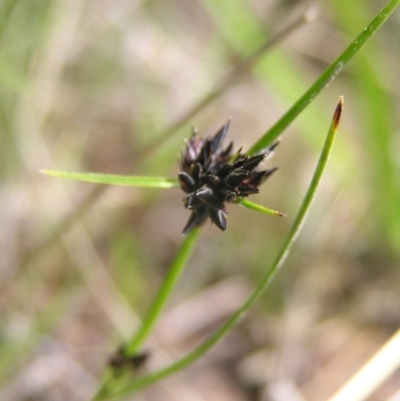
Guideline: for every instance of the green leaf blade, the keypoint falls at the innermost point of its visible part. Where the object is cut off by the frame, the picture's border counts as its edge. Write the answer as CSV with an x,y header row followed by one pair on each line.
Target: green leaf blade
x,y
265,281
111,179
258,208
325,78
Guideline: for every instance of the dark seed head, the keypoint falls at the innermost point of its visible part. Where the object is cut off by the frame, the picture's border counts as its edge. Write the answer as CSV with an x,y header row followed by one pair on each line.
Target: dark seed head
x,y
211,175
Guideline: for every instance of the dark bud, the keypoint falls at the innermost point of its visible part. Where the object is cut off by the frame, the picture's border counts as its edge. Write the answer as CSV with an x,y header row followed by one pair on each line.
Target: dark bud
x,y
238,159
191,149
138,360
191,223
226,154
205,194
195,171
186,182
258,178
119,360
217,216
252,162
247,189
269,172
236,177
197,218
206,154
217,139
192,202
269,152
212,180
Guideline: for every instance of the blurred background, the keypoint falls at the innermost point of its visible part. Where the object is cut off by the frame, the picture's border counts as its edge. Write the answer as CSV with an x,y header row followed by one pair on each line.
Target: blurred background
x,y
115,87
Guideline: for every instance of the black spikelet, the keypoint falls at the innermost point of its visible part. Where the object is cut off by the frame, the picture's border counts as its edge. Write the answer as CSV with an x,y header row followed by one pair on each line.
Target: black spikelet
x,y
211,175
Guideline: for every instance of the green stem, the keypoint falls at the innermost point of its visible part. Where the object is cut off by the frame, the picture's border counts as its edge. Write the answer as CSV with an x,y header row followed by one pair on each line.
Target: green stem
x,y
325,79
260,289
258,208
113,179
155,310
164,292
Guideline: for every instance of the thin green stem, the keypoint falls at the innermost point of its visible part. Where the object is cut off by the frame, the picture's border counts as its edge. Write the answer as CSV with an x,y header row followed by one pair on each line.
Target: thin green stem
x,y
258,208
150,319
325,79
112,179
260,289
164,292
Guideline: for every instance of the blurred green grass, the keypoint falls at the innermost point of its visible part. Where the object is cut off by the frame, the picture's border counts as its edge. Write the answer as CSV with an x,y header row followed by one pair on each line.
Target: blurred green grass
x,y
86,85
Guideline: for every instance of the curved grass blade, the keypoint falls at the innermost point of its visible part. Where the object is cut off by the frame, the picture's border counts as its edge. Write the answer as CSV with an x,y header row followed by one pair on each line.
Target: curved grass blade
x,y
260,289
325,78
110,179
258,208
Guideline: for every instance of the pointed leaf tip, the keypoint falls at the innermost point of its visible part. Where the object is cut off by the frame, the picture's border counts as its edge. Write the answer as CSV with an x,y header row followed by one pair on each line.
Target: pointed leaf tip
x,y
338,112
259,208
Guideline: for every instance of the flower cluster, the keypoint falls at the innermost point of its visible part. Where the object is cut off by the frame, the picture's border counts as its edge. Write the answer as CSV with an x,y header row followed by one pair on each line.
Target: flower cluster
x,y
211,175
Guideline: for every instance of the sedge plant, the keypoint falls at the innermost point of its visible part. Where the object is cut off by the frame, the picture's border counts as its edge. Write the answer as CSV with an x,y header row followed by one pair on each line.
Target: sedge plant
x,y
219,176
209,176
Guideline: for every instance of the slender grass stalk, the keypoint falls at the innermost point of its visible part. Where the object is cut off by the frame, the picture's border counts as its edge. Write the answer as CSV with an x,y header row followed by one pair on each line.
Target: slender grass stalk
x,y
156,308
260,289
110,179
325,78
164,292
